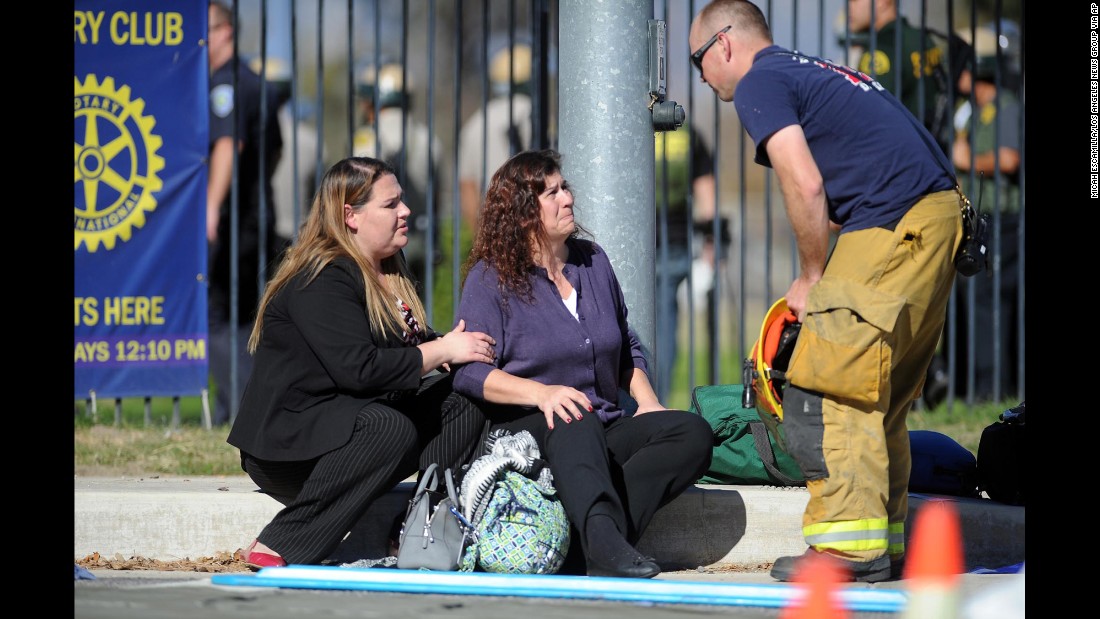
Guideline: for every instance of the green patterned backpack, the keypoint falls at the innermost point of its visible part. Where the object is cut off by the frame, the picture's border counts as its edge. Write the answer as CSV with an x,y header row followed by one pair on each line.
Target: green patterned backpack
x,y
518,523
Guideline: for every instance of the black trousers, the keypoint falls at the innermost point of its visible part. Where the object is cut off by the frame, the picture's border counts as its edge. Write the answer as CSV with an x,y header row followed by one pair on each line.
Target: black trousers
x,y
325,497
626,469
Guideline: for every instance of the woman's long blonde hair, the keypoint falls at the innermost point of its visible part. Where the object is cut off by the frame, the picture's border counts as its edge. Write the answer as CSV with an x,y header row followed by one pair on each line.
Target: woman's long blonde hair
x,y
324,237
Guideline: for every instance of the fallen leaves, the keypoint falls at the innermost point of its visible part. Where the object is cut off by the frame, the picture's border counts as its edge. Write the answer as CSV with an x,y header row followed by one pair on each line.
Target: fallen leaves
x,y
723,568
221,562
234,562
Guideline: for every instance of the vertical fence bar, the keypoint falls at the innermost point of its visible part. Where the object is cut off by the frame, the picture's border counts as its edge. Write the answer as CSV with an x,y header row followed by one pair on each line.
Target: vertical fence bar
x,y
511,72
206,422
261,270
176,413
952,332
429,252
540,72
694,136
1021,322
234,229
296,180
456,199
486,32
971,338
998,220
319,72
350,77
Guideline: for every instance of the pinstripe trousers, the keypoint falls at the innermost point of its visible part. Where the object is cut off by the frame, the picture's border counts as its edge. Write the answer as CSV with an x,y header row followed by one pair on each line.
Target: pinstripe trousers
x,y
324,497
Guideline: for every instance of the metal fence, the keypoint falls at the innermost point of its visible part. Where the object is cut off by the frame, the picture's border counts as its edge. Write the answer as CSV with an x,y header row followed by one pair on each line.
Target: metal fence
x,y
409,80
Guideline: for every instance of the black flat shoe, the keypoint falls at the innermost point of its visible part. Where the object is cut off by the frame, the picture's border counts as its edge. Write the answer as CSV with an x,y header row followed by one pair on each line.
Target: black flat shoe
x,y
636,567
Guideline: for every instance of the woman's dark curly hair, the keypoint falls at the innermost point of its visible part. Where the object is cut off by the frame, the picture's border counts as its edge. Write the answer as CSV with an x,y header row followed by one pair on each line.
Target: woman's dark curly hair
x,y
509,231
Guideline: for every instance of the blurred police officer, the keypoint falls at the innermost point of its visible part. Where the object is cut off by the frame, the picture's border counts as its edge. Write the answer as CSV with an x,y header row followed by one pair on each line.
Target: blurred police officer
x,y
388,131
235,109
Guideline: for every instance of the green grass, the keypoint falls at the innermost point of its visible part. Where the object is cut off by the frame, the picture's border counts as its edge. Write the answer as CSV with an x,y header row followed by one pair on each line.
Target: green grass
x,y
962,422
132,448
128,445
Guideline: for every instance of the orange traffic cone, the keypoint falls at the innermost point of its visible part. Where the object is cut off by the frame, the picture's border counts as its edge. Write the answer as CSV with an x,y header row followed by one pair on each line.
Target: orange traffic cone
x,y
934,562
819,576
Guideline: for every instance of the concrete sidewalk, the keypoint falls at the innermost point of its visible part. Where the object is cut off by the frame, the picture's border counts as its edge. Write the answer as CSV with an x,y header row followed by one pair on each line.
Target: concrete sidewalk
x,y
173,518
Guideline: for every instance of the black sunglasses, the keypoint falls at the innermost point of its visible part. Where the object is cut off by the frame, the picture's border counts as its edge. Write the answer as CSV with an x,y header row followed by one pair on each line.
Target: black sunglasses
x,y
697,57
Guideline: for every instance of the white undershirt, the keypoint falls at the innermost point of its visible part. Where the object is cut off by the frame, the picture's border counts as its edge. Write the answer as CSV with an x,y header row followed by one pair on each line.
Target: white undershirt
x,y
571,304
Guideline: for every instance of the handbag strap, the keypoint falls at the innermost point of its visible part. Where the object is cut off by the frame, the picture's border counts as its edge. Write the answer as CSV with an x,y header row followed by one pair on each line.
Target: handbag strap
x,y
449,478
429,481
767,456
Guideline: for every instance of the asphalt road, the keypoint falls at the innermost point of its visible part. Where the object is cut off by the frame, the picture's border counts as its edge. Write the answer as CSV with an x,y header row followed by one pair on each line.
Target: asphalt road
x,y
117,594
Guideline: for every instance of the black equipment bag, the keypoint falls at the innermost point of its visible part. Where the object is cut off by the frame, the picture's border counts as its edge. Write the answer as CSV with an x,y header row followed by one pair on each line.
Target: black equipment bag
x,y
1001,458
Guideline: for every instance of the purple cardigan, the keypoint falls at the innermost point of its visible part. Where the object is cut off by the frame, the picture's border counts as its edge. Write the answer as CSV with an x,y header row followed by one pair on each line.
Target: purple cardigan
x,y
543,342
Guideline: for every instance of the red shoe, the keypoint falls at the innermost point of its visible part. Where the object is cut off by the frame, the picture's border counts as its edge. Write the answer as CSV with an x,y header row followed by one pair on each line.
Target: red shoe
x,y
258,560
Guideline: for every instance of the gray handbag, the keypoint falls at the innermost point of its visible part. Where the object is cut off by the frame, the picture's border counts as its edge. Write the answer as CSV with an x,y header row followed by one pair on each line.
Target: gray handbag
x,y
432,536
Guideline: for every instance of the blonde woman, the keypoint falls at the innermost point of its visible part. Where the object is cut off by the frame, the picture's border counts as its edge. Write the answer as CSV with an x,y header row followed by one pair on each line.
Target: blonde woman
x,y
350,390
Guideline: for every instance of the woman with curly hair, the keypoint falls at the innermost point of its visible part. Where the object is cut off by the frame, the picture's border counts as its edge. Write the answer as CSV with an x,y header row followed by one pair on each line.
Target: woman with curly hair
x,y
564,349
350,391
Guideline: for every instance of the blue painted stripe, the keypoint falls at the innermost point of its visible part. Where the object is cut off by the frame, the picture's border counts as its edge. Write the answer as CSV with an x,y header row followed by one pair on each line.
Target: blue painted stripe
x,y
777,595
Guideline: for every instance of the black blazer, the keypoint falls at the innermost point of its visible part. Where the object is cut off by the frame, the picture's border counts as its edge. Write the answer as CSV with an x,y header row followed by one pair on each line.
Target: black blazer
x,y
318,363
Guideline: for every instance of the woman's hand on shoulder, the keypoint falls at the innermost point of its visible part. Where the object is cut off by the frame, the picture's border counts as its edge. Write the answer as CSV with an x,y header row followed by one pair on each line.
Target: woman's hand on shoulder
x,y
457,347
464,346
565,403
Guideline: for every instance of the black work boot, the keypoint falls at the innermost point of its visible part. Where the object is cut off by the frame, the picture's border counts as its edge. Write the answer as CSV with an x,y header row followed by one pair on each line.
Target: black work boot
x,y
875,570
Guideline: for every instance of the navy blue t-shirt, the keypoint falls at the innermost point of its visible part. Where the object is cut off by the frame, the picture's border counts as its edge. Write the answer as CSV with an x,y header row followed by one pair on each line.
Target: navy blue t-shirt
x,y
874,163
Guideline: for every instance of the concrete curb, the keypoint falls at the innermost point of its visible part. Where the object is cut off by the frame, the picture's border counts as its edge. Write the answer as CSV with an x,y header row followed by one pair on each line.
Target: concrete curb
x,y
173,518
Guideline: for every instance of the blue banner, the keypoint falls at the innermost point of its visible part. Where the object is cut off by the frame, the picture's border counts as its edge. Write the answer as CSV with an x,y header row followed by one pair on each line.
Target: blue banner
x,y
141,121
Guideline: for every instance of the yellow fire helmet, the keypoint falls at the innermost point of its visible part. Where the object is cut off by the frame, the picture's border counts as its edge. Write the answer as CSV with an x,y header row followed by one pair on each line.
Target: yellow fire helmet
x,y
763,374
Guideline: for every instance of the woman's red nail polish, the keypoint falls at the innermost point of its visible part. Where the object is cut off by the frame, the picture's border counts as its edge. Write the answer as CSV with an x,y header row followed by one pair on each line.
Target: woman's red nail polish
x,y
568,420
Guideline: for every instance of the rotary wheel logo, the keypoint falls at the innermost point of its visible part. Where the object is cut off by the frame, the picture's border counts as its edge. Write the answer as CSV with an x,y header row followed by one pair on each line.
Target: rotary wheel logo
x,y
115,163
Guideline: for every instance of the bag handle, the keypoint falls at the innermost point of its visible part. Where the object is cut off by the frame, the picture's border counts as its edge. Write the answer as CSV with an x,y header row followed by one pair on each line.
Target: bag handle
x,y
456,503
428,481
767,456
449,478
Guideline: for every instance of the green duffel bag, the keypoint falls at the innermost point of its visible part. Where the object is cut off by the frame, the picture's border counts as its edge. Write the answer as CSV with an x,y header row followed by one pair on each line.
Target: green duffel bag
x,y
745,452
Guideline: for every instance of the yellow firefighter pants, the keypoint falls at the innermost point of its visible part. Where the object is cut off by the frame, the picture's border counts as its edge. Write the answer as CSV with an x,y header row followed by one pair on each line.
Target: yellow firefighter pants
x,y
872,325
